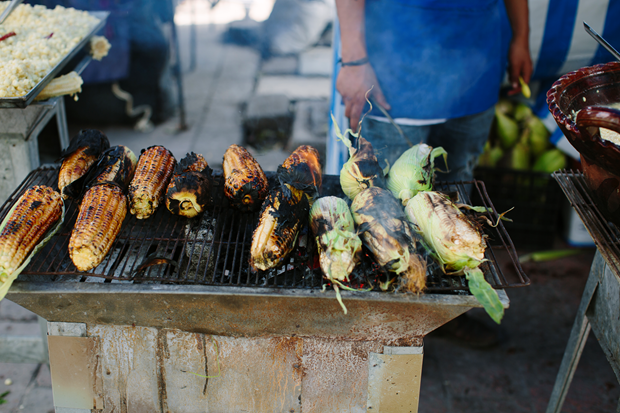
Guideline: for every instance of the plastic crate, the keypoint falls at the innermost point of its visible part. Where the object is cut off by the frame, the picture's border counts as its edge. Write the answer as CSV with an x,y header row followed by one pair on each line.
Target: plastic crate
x,y
536,198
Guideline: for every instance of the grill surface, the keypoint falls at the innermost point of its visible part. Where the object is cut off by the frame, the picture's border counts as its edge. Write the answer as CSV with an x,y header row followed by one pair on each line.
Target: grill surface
x,y
214,249
605,234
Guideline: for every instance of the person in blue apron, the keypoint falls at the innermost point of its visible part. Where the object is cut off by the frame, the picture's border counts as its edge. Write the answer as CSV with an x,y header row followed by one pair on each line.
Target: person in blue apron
x,y
436,67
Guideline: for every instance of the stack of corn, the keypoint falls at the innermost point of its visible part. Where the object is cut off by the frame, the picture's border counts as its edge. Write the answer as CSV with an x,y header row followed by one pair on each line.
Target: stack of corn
x,y
520,140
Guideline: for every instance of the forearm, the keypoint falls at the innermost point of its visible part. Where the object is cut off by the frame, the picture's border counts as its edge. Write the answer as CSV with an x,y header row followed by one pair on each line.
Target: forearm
x,y
518,15
352,29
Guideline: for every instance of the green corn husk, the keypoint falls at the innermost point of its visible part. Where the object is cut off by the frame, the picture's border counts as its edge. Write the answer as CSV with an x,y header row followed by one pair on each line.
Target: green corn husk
x,y
520,156
507,130
362,170
522,112
339,246
505,106
550,161
538,135
414,171
455,243
386,232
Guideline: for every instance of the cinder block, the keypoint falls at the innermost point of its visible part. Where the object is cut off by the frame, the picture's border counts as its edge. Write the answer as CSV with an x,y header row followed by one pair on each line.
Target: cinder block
x,y
317,61
280,65
310,126
267,121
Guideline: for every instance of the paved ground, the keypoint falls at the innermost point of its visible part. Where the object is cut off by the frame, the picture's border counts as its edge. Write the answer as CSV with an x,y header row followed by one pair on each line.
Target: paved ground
x,y
516,376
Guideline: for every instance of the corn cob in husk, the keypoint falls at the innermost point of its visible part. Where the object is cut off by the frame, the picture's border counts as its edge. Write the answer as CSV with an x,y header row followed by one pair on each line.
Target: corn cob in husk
x,y
455,243
386,233
338,244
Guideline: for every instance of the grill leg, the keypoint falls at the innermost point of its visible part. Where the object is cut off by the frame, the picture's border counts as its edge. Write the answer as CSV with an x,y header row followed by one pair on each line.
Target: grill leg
x,y
576,342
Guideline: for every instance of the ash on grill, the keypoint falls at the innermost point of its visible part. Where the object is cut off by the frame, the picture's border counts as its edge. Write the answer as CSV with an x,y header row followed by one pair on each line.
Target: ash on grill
x,y
214,249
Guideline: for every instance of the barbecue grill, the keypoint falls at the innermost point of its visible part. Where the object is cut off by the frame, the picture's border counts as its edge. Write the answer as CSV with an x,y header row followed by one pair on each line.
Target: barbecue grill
x,y
176,296
599,309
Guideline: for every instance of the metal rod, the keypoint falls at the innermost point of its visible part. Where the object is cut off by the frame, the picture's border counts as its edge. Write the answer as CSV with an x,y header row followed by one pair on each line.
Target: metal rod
x,y
601,41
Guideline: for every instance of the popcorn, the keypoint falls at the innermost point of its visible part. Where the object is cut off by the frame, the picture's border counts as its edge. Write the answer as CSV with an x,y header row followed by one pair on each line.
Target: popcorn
x,y
42,38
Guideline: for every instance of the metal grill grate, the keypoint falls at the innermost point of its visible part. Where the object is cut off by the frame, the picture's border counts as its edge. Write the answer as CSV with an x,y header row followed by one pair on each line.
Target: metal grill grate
x,y
214,249
605,234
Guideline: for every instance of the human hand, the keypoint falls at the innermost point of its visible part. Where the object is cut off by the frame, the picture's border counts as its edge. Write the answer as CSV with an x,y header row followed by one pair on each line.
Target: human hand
x,y
519,65
352,83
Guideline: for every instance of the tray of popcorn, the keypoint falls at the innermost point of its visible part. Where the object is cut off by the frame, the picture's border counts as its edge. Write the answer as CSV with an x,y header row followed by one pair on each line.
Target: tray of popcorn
x,y
36,43
586,106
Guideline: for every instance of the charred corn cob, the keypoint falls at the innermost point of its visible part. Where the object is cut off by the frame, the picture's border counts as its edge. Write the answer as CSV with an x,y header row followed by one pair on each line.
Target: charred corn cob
x,y
189,190
116,165
82,152
36,211
455,243
386,233
282,216
302,170
99,221
245,182
147,188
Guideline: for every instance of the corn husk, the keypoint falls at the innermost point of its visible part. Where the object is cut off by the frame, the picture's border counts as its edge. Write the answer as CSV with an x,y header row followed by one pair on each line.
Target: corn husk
x,y
550,161
362,170
520,156
537,135
338,244
455,243
507,130
414,171
385,231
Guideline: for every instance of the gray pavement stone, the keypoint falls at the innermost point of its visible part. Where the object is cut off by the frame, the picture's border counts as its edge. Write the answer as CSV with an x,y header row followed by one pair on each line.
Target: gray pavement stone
x,y
240,62
21,376
317,61
19,328
38,400
310,126
44,378
280,65
15,312
271,159
233,90
295,87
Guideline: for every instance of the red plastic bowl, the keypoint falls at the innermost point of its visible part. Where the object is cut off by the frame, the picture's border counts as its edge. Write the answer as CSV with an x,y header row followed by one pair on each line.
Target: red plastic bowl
x,y
586,92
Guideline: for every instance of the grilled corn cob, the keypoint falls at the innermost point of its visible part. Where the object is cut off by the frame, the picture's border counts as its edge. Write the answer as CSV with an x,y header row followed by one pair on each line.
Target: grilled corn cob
x,y
153,173
245,182
36,211
116,165
82,152
302,170
189,190
455,243
282,216
99,221
386,233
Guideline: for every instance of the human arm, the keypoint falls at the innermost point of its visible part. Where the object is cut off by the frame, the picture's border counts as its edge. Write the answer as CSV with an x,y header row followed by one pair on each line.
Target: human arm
x,y
519,60
354,81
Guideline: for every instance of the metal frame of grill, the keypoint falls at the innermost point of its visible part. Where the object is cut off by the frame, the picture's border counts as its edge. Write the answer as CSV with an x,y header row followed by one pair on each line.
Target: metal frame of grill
x,y
605,234
214,249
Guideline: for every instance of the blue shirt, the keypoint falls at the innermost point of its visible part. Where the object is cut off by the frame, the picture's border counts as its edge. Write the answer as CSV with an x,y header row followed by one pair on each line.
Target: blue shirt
x,y
436,59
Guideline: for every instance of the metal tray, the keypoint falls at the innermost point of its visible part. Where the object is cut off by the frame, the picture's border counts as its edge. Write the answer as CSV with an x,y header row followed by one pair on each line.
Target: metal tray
x,y
23,101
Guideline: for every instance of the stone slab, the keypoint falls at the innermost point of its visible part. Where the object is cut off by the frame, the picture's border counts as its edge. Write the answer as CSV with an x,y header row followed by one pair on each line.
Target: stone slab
x,y
280,65
317,61
295,87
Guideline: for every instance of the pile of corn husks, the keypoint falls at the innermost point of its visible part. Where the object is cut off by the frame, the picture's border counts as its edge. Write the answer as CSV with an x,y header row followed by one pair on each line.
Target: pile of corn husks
x,y
520,141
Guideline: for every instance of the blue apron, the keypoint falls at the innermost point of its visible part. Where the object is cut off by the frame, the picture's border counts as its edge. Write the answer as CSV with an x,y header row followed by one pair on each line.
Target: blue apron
x,y
436,59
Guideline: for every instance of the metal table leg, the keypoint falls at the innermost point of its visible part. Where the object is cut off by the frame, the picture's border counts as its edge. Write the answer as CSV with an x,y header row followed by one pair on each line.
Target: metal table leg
x,y
576,342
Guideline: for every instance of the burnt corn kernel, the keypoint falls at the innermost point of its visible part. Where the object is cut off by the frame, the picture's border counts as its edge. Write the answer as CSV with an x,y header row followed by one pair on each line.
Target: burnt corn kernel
x,y
83,151
302,169
36,211
155,168
245,183
99,221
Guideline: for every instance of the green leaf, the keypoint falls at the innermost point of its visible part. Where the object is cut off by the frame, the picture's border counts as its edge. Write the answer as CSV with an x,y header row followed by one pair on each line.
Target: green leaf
x,y
3,395
485,294
4,287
